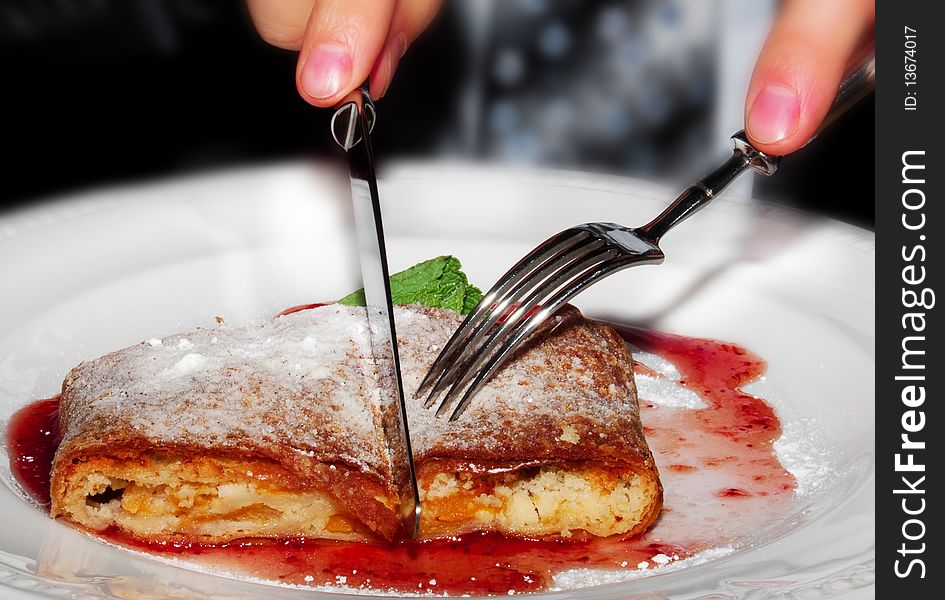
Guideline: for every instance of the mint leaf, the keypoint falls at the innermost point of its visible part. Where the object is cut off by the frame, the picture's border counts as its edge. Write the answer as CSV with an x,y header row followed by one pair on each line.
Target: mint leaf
x,y
437,283
473,296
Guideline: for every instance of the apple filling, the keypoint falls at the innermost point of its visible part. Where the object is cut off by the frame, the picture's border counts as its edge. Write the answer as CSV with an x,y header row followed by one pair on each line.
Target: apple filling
x,y
536,502
198,499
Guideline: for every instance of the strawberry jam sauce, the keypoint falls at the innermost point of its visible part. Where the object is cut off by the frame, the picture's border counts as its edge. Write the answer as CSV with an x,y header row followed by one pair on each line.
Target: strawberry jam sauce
x,y
32,439
721,477
299,308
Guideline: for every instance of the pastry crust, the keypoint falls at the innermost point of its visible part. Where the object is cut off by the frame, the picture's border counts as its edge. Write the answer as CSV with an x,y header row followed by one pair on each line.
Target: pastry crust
x,y
276,430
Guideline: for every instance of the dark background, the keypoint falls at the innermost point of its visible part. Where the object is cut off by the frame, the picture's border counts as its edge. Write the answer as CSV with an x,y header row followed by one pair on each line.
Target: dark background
x,y
102,91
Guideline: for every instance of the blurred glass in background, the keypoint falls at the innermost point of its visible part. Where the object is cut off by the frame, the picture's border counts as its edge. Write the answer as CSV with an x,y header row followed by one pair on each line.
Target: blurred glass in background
x,y
100,91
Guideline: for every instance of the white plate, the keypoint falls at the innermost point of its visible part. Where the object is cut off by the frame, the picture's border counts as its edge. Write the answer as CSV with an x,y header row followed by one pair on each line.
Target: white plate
x,y
90,274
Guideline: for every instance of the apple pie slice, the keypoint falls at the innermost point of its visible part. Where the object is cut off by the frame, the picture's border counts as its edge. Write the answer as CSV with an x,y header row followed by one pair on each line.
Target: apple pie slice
x,y
276,431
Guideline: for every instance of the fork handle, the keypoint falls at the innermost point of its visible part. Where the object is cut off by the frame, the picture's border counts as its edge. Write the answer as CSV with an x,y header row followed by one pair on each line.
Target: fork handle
x,y
705,190
744,156
855,85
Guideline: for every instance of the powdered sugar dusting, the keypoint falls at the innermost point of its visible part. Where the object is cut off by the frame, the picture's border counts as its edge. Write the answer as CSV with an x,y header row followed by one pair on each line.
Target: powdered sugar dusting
x,y
307,382
556,400
300,382
581,578
802,452
663,389
190,363
656,362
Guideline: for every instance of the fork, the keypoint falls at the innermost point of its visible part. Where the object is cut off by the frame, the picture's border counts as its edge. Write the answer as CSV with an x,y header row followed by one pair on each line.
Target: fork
x,y
571,261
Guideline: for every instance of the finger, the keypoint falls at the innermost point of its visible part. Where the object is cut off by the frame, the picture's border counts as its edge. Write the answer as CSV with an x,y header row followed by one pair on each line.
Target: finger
x,y
411,18
342,42
797,75
281,22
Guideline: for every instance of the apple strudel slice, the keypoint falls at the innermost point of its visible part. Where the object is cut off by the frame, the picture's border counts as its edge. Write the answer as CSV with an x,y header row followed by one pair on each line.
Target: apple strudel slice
x,y
276,431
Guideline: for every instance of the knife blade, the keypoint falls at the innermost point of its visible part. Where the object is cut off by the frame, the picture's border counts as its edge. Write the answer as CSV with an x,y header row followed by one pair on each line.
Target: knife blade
x,y
351,127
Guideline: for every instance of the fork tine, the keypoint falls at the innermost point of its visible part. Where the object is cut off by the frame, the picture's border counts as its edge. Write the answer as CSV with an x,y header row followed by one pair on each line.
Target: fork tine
x,y
527,327
496,338
537,257
500,314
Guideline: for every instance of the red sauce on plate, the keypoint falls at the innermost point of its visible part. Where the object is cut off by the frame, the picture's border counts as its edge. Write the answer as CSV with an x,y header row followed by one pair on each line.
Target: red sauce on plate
x,y
479,564
721,477
299,308
32,439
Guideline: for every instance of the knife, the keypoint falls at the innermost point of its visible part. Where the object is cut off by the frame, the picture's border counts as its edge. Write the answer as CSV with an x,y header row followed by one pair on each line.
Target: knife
x,y
351,127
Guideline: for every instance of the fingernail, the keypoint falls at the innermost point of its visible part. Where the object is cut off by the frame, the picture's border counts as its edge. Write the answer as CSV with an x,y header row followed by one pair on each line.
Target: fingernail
x,y
400,46
774,114
326,70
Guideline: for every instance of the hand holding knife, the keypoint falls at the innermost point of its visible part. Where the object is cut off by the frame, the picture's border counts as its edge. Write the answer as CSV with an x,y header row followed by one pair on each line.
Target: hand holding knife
x,y
351,127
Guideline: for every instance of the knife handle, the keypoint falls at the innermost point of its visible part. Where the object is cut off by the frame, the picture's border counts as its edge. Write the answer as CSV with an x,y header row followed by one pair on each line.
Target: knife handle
x,y
345,124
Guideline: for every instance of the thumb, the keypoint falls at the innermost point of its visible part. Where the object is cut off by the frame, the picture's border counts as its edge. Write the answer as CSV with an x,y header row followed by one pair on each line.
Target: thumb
x,y
798,72
342,42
